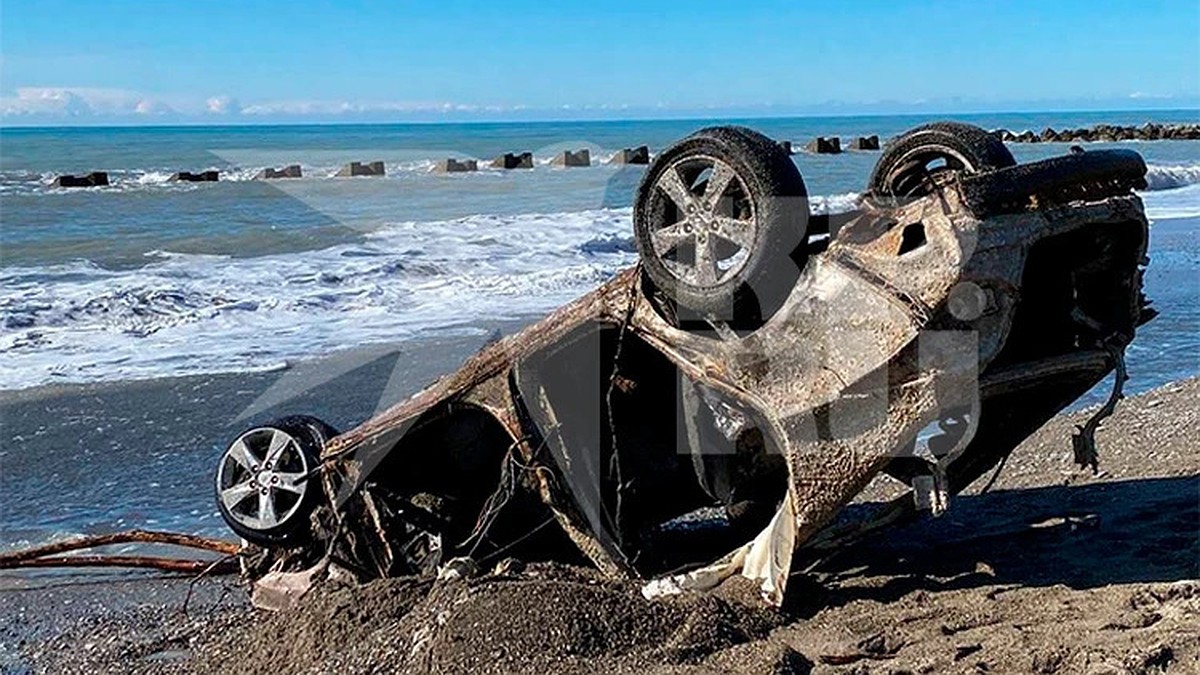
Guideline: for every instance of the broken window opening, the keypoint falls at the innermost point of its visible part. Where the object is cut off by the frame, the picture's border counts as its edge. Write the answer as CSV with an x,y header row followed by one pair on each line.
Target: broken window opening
x,y
674,479
912,238
453,486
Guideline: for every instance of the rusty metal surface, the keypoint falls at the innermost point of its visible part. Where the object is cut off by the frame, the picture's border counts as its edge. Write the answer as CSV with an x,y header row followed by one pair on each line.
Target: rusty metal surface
x,y
842,347
493,362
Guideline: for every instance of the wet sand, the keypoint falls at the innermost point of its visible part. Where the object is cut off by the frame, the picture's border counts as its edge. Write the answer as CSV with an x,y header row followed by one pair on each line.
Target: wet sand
x,y
1053,571
88,459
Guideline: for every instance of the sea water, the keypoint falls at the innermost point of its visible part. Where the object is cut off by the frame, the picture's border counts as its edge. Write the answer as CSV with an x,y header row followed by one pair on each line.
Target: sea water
x,y
151,278
146,278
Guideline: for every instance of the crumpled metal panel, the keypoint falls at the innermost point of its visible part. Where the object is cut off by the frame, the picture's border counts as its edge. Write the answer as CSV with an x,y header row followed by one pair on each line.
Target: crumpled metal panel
x,y
838,377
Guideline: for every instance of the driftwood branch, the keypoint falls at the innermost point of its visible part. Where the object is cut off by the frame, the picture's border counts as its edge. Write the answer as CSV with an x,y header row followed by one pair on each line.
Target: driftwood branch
x,y
150,562
49,554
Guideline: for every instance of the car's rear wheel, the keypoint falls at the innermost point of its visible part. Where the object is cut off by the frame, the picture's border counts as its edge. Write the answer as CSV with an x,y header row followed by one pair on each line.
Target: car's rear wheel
x,y
266,486
717,220
910,162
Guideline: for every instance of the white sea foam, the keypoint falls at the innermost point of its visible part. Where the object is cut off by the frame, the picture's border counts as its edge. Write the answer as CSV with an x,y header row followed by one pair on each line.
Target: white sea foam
x,y
1172,191
826,204
187,313
159,178
1181,202
152,178
1160,177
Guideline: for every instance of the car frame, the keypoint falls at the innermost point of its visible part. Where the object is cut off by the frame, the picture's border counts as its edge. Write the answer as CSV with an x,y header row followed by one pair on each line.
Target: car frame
x,y
679,439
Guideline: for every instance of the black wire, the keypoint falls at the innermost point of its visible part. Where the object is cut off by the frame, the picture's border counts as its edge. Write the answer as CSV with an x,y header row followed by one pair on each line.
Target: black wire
x,y
995,475
518,540
615,459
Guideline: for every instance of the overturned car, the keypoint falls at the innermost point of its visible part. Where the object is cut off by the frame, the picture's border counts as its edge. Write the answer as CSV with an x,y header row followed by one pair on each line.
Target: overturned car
x,y
710,411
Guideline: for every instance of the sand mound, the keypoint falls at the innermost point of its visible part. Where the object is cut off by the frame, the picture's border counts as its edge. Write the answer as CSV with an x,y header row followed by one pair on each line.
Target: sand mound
x,y
551,618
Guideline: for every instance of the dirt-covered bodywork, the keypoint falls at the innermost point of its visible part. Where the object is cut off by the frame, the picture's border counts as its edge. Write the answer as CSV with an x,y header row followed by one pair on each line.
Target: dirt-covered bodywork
x,y
922,336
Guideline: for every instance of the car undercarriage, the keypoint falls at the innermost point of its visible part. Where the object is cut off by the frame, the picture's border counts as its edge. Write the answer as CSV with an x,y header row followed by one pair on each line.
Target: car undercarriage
x,y
710,411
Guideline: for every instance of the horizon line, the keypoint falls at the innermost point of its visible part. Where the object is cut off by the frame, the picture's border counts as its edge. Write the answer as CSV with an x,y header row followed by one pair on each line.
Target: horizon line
x,y
5,125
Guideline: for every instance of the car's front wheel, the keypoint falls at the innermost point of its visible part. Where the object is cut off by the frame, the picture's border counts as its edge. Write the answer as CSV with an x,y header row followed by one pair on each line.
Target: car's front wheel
x,y
717,220
266,482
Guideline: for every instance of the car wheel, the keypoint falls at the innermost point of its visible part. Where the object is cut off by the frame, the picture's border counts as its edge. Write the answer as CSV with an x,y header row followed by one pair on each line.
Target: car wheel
x,y
264,490
910,161
718,222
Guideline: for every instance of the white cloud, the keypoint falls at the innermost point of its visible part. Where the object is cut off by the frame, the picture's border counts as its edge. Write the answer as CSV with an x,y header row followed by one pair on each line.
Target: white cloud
x,y
38,100
320,108
223,105
148,106
37,105
78,102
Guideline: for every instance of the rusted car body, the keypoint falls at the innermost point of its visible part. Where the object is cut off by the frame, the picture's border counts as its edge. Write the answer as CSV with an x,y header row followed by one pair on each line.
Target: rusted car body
x,y
922,339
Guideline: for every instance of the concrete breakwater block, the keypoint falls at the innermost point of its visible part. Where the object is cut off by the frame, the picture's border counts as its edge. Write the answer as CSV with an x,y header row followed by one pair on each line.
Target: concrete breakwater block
x,y
451,165
93,179
1104,133
513,161
189,177
787,147
638,155
289,171
568,158
361,169
865,143
824,146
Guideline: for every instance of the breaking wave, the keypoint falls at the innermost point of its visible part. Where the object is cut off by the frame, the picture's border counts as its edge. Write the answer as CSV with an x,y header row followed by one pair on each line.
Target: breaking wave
x,y
158,178
188,313
183,313
826,204
179,313
1159,177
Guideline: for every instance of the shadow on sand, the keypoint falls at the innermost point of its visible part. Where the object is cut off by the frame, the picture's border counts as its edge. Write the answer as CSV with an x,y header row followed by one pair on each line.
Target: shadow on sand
x,y
1085,536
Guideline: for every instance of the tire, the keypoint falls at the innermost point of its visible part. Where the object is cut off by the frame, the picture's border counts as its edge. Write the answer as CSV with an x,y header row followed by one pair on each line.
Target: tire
x,y
1088,176
907,162
764,207
285,480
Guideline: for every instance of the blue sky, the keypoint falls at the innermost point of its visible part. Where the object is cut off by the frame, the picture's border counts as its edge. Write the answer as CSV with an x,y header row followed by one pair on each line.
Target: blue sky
x,y
217,61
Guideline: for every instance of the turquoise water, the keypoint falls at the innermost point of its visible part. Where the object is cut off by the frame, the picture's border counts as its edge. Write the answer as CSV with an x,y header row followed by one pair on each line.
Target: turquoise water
x,y
142,213
147,278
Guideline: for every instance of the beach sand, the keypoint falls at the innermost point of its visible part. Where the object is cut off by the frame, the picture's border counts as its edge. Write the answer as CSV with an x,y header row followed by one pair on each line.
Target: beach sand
x,y
1053,571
